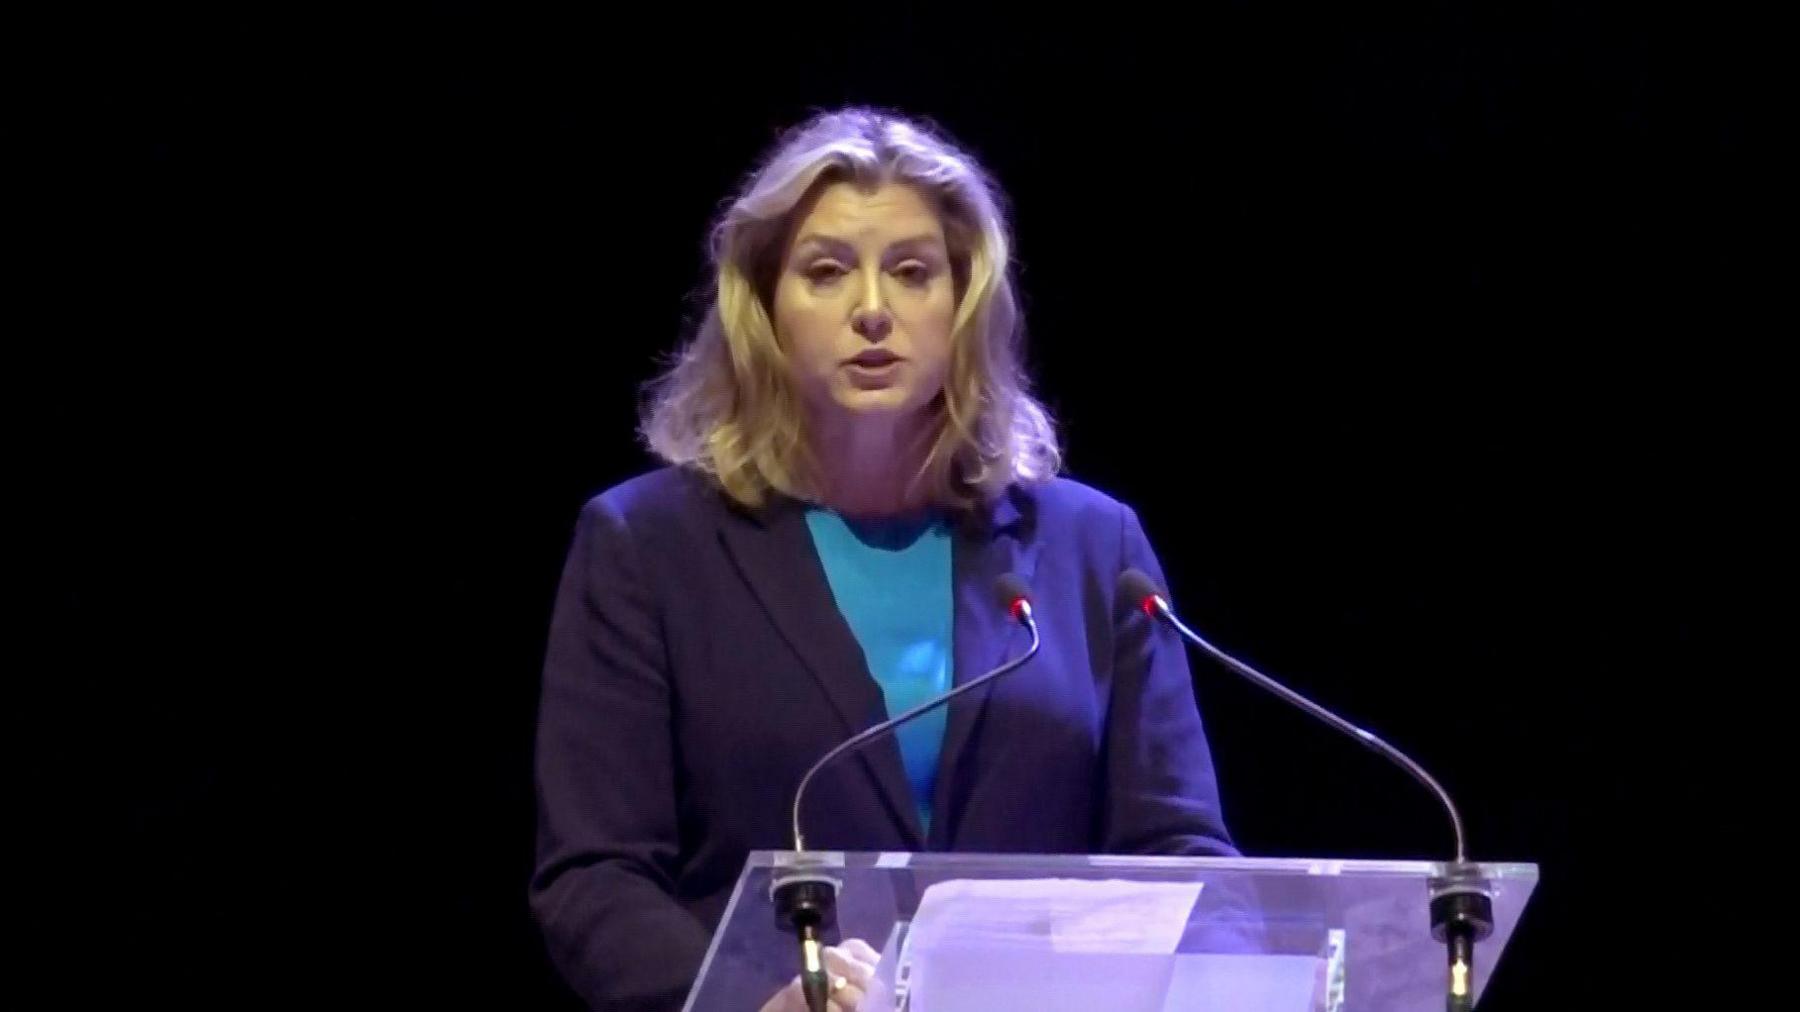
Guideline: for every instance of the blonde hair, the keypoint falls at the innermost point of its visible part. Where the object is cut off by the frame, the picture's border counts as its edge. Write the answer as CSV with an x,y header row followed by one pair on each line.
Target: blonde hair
x,y
728,407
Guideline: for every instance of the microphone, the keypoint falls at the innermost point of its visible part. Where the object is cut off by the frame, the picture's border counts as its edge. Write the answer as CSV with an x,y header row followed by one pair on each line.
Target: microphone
x,y
1462,911
1016,599
805,896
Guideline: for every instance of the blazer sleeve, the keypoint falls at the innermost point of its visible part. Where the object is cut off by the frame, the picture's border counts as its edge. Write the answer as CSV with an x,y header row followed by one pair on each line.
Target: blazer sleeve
x,y
1162,796
607,840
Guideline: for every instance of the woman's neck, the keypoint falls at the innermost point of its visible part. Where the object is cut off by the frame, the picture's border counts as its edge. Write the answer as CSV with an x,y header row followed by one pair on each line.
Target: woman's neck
x,y
868,470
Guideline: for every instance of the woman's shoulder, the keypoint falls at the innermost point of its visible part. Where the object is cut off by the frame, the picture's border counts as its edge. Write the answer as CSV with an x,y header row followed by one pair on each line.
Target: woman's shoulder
x,y
660,497
1067,515
1072,519
1067,501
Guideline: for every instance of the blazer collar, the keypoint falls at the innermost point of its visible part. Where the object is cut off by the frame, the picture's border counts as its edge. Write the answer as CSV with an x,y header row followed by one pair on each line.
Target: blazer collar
x,y
994,543
773,550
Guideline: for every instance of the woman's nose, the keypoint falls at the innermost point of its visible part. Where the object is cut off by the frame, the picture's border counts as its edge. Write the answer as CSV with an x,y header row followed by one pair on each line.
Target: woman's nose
x,y
872,324
871,319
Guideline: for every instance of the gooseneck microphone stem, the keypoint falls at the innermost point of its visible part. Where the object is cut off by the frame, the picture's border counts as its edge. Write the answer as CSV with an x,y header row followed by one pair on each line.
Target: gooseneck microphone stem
x,y
1461,908
1021,609
805,891
1374,743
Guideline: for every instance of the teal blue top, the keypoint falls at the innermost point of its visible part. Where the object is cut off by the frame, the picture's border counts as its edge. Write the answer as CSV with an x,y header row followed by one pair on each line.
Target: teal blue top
x,y
892,582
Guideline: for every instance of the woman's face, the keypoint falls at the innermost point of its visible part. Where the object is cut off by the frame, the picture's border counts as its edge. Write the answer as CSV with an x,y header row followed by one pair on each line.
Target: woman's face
x,y
864,305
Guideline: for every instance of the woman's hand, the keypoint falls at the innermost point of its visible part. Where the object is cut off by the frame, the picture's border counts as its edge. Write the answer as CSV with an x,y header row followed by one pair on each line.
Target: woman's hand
x,y
850,966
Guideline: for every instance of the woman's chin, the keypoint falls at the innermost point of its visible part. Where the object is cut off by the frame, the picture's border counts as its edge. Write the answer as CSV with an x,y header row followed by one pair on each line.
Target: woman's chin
x,y
881,402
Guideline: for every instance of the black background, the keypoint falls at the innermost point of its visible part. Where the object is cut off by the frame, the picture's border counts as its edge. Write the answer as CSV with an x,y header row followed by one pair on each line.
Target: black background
x,y
1412,337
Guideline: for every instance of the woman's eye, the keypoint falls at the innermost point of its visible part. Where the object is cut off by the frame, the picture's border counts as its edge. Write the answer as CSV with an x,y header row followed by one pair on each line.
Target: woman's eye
x,y
824,271
913,272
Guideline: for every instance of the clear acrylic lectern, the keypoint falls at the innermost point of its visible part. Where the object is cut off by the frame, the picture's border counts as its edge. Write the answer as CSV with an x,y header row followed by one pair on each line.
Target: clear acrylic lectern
x,y
965,932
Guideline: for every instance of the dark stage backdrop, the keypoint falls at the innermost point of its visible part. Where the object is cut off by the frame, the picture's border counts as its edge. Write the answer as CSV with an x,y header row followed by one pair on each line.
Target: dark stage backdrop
x,y
1406,334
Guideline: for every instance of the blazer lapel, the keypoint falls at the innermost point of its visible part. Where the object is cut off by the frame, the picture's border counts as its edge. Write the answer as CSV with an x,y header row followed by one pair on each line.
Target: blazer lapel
x,y
774,553
985,636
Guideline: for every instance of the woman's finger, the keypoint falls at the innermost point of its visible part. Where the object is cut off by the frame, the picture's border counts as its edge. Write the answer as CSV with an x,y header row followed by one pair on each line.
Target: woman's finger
x,y
857,971
856,948
846,998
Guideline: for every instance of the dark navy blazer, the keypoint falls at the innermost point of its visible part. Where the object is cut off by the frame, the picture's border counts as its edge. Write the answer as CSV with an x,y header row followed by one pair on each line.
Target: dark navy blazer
x,y
697,665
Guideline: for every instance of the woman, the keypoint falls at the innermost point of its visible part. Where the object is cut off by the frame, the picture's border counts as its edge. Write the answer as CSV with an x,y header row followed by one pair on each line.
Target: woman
x,y
853,460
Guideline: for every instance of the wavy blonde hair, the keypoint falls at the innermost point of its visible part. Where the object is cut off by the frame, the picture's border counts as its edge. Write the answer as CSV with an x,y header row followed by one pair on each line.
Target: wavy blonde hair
x,y
728,405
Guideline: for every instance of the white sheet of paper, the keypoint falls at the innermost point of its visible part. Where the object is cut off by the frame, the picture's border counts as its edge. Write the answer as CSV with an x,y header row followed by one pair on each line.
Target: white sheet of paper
x,y
1072,945
1055,915
978,945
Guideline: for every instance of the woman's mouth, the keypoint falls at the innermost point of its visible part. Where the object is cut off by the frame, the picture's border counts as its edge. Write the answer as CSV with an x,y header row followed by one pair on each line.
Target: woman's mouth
x,y
875,359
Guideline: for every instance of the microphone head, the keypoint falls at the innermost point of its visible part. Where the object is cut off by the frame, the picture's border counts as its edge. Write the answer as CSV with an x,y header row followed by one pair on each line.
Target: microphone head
x,y
1137,586
1015,597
